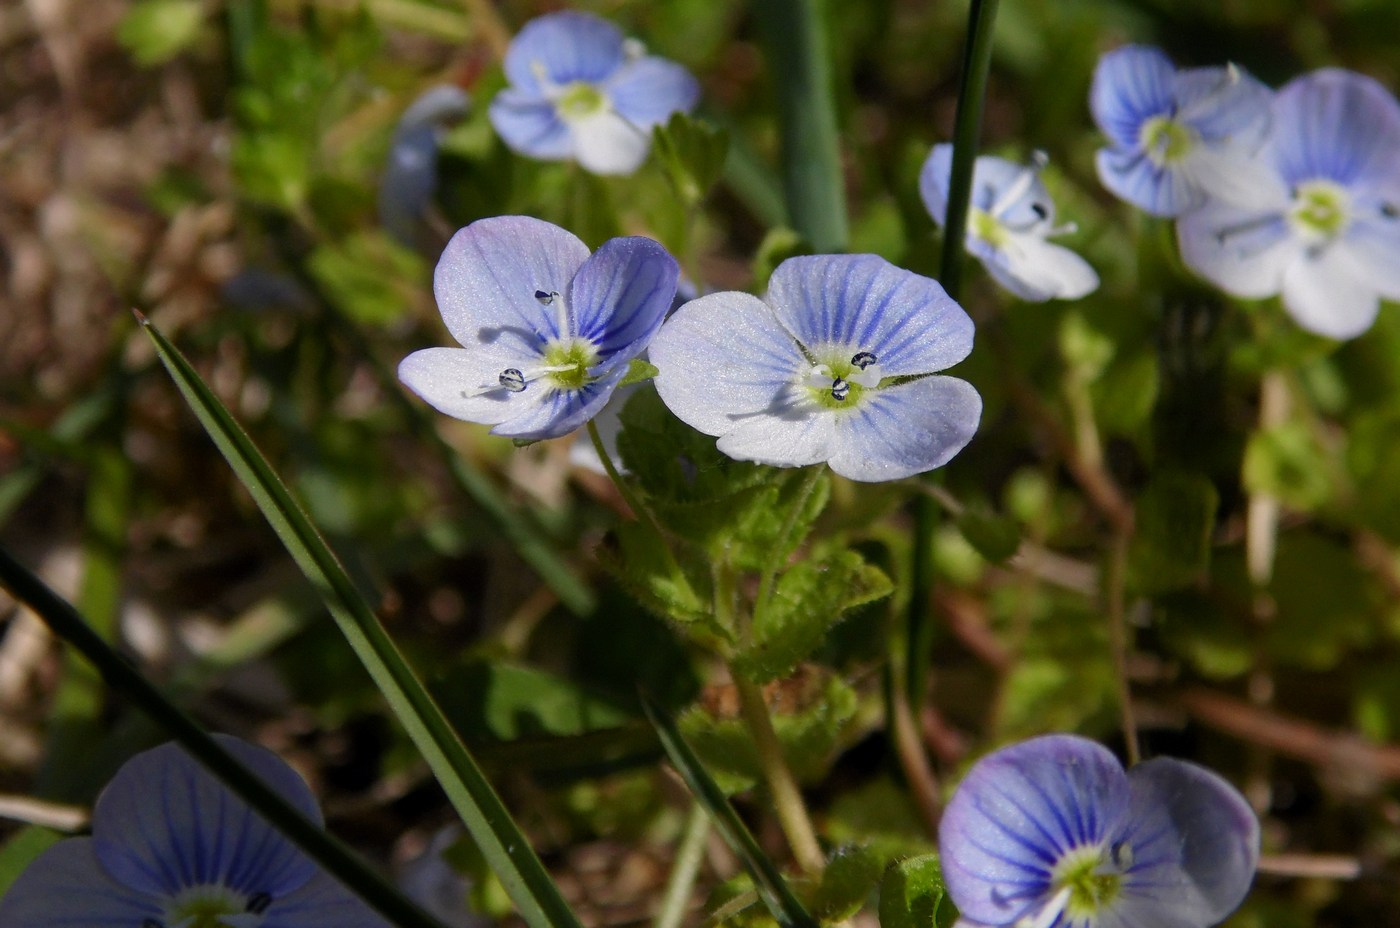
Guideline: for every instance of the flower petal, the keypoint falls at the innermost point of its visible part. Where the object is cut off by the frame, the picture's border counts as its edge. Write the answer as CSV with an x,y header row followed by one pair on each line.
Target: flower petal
x,y
1375,246
1223,103
865,303
66,887
1244,252
531,126
1330,294
1131,85
791,432
621,295
164,823
723,359
1038,270
1337,125
487,277
564,47
464,383
1132,177
1016,814
559,412
321,903
648,90
991,177
906,429
1232,174
606,143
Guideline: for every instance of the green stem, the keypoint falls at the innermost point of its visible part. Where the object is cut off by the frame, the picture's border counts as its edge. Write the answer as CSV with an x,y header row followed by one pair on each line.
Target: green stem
x,y
799,59
684,869
770,573
337,859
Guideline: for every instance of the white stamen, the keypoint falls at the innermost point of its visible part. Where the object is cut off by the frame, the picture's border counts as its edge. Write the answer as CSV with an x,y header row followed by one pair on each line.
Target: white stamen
x,y
868,376
1020,185
1046,915
819,376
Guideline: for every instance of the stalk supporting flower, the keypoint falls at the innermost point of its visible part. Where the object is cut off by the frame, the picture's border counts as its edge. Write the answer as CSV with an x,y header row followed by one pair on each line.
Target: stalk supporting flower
x,y
548,331
836,364
1052,833
1010,220
579,90
1328,239
1177,137
171,847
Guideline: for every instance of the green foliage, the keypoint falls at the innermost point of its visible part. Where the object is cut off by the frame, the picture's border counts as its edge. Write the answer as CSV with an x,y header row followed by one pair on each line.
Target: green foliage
x,y
504,701
1171,543
851,875
1290,463
995,537
912,895
20,850
367,276
154,31
692,154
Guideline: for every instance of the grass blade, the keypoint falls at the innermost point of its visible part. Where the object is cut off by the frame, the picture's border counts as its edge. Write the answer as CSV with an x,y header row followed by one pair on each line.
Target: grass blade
x,y
501,842
772,888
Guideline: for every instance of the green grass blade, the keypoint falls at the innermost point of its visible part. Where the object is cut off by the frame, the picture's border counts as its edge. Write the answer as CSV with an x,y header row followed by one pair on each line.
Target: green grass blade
x,y
501,843
333,856
772,888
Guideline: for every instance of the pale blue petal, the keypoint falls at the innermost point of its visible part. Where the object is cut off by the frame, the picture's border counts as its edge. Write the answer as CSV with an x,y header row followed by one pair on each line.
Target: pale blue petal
x,y
321,903
864,303
933,181
1244,252
648,90
1132,177
1038,270
465,384
991,176
621,295
1374,243
792,432
1329,293
724,359
1221,103
66,887
164,823
531,126
565,47
559,412
907,429
488,275
410,173
1016,814
1336,125
1131,85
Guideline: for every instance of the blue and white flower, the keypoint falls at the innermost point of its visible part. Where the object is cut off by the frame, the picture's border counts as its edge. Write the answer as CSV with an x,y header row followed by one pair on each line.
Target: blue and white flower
x,y
410,175
1009,221
547,330
1177,137
1329,238
172,847
579,90
1051,833
835,364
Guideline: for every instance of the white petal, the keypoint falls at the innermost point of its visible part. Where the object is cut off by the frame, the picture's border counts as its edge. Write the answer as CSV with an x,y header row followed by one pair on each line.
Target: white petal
x,y
1330,295
1375,246
605,143
907,429
1035,269
459,382
1244,252
1233,175
793,432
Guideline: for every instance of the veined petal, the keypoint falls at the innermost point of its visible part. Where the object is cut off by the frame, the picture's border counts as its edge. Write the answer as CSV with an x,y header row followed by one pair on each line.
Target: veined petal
x,y
558,412
1132,177
1336,125
868,304
66,887
164,823
1330,294
563,47
1374,244
606,143
487,277
991,178
466,384
1232,174
321,903
790,432
906,429
933,181
1244,252
531,126
1223,103
648,90
608,422
1038,270
722,359
1131,85
621,294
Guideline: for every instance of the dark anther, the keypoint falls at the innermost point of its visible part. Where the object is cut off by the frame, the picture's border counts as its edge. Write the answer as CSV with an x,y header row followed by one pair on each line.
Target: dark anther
x,y
1040,211
1390,211
150,923
863,359
545,298
840,389
512,379
259,903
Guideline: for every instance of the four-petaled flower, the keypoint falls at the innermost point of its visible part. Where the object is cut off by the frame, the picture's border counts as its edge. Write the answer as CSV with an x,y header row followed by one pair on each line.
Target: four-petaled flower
x,y
579,90
171,847
1052,832
1176,137
1329,237
833,365
1009,219
548,330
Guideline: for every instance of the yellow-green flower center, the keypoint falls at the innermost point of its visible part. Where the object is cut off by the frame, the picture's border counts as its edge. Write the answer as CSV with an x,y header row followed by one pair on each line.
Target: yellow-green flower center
x,y
214,907
1321,210
580,100
841,377
1166,141
566,362
1091,885
982,224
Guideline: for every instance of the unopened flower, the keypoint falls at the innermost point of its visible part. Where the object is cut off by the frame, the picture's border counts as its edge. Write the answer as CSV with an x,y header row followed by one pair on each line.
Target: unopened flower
x,y
1052,832
1009,221
172,847
547,330
1175,137
410,175
835,364
579,90
1329,238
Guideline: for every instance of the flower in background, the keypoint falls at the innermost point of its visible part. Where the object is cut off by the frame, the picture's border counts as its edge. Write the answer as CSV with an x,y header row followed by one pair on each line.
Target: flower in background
x,y
1329,238
410,175
1052,832
579,90
834,365
1009,221
1177,137
172,847
547,330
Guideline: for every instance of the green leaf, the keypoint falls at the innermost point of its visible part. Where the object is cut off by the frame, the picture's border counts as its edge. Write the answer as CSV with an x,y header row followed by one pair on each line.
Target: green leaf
x,y
505,701
19,852
810,598
995,537
779,244
154,31
640,564
366,275
1290,463
1171,545
851,875
772,888
692,153
912,895
673,462
500,840
638,370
